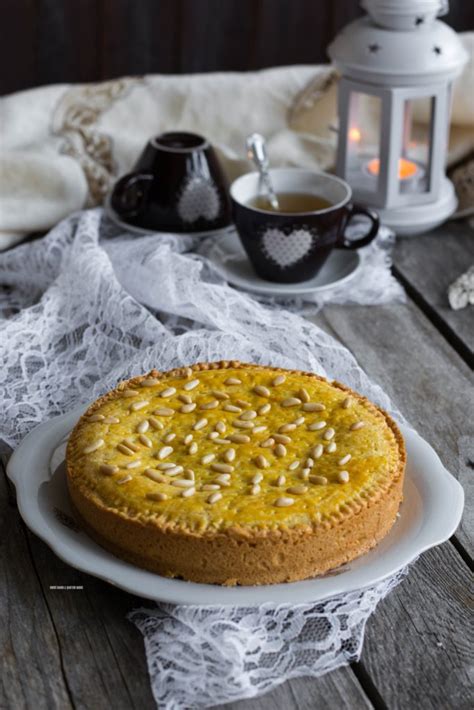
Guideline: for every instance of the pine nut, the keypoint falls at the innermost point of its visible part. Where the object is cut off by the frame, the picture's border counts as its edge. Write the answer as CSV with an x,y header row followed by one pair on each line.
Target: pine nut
x,y
265,408
257,478
242,425
222,467
284,502
345,459
261,461
316,426
331,448
222,441
329,434
356,426
108,469
286,427
164,452
280,450
155,424
131,445
249,414
95,418
233,381
187,439
303,395
164,412
174,471
259,429
186,408
290,402
191,385
220,395
98,444
210,405
261,391
320,480
220,427
268,443
239,438
182,483
223,479
346,403
282,438
143,427
111,420
200,424
139,405
125,450
313,407
278,380
129,393
145,441
214,497
299,421
166,466
229,455
255,490
185,398
280,481
189,474
208,458
154,476
317,451
343,476
242,403
304,474
309,463
169,437
231,408
297,490
193,447
188,492
156,496
294,465
213,435
210,487
134,464
125,479
149,382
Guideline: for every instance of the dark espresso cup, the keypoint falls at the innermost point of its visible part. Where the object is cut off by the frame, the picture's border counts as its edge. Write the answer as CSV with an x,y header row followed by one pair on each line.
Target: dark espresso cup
x,y
177,185
293,246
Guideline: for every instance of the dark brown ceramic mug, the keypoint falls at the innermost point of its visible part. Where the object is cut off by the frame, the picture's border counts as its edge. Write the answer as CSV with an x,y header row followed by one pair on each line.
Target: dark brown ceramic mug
x,y
177,185
292,247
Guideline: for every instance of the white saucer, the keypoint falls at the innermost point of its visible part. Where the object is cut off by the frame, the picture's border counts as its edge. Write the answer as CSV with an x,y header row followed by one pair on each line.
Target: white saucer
x,y
231,261
112,215
429,515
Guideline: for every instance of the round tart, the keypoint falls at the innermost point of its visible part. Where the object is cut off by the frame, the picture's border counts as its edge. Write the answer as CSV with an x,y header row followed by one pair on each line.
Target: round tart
x,y
230,473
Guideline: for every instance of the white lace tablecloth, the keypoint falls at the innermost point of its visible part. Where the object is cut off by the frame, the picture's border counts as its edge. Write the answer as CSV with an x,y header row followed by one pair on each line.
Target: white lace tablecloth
x,y
77,315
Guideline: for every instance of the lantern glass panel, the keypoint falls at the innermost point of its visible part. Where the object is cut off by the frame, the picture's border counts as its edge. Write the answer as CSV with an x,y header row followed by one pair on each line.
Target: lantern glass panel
x,y
414,161
363,140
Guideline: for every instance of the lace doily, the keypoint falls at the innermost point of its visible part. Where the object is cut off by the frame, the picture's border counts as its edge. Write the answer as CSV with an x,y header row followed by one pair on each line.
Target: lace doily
x,y
77,316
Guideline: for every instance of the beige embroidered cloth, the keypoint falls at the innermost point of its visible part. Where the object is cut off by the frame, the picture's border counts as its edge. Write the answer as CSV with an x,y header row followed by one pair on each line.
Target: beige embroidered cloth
x,y
63,146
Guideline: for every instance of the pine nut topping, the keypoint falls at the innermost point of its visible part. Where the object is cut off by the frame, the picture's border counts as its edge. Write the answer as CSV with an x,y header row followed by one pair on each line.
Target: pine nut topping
x,y
316,426
280,450
284,502
210,487
305,474
164,452
317,451
125,479
164,412
208,458
309,462
154,476
243,424
346,403
220,427
345,459
356,426
169,437
145,441
343,476
222,441
155,423
257,478
313,407
265,408
320,480
303,395
233,381
210,405
278,380
213,435
182,483
282,438
125,450
223,479
111,420
168,392
222,467
166,466
268,443
156,496
239,438
261,391
131,444
242,403
220,395
187,493
139,405
108,469
331,448
98,444
286,427
134,464
329,434
189,474
259,429
149,382
291,402
280,481
188,438
129,393
261,461
185,398
200,424
249,414
255,490
174,471
229,455
231,408
143,427
299,421
95,418
193,447
186,408
214,497
191,385
297,490
294,465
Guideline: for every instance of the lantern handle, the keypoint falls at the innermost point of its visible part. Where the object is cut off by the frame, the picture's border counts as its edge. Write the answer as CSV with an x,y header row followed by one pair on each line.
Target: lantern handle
x,y
352,211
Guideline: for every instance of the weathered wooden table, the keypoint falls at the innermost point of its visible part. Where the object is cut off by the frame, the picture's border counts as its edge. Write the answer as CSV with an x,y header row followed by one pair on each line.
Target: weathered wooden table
x,y
75,649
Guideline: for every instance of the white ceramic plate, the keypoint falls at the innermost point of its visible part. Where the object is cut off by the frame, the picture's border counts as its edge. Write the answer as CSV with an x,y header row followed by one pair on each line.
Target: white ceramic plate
x,y
232,263
429,515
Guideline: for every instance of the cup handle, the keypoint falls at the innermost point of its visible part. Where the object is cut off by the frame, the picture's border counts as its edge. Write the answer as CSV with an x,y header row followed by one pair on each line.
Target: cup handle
x,y
129,196
353,210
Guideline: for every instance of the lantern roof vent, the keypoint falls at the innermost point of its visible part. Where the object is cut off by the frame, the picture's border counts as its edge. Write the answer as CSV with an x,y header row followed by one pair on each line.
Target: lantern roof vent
x,y
404,14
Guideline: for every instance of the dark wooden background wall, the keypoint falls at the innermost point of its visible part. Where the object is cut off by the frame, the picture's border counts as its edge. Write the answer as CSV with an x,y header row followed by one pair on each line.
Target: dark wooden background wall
x,y
50,41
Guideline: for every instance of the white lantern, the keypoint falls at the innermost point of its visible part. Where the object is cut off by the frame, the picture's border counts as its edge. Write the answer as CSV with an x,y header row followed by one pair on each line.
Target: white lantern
x,y
397,65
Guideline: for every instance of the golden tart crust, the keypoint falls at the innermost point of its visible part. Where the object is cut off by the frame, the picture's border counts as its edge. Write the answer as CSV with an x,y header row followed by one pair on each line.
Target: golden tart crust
x,y
279,475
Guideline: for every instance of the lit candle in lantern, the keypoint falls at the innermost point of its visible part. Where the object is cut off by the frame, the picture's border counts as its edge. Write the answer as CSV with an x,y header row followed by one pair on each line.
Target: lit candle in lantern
x,y
406,168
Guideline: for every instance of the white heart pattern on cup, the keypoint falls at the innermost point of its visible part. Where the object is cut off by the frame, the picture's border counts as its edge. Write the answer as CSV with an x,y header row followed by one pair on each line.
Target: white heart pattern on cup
x,y
199,198
287,249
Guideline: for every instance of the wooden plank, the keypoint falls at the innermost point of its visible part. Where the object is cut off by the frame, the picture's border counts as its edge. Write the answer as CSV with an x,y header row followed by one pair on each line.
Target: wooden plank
x,y
31,663
427,265
431,385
